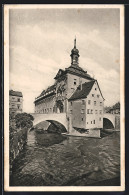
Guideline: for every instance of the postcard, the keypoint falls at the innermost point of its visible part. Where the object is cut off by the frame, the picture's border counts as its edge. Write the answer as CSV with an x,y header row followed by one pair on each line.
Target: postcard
x,y
64,122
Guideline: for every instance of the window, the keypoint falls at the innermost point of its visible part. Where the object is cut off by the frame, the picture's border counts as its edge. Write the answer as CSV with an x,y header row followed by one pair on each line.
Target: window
x,y
74,82
99,119
95,103
18,99
87,122
82,111
82,119
97,96
95,88
88,111
94,121
92,95
71,103
72,89
70,111
100,111
89,101
96,112
18,106
83,102
91,122
91,111
100,103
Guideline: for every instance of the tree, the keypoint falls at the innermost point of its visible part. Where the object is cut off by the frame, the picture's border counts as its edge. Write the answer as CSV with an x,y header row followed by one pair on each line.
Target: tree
x,y
24,120
117,105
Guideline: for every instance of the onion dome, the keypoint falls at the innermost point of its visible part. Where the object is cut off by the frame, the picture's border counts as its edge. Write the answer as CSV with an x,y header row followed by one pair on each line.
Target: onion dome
x,y
74,54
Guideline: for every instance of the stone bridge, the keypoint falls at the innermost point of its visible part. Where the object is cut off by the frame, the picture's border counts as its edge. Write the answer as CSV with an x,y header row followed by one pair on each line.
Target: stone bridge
x,y
60,118
109,120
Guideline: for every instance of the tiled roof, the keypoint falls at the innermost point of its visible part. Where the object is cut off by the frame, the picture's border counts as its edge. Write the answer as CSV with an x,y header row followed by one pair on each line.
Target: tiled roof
x,y
79,71
47,90
82,93
15,93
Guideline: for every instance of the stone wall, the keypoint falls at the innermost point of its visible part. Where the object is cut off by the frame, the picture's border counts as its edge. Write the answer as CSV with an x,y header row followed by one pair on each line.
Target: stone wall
x,y
17,142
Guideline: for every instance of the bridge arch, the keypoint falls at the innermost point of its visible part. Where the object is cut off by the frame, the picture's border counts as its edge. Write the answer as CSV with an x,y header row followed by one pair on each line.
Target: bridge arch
x,y
51,126
109,121
107,124
55,119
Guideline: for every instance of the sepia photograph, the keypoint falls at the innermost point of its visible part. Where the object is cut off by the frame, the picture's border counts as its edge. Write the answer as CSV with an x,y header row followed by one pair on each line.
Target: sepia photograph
x,y
64,98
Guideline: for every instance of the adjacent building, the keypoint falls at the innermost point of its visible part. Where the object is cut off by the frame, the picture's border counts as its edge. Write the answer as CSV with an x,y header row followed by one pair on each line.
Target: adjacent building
x,y
75,93
15,101
86,106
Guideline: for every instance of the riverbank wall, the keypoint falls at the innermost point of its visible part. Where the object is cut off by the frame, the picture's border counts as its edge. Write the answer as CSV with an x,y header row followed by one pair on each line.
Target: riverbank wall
x,y
17,141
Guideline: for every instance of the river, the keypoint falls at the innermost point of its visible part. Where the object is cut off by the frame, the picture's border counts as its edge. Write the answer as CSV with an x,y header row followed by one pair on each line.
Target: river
x,y
76,161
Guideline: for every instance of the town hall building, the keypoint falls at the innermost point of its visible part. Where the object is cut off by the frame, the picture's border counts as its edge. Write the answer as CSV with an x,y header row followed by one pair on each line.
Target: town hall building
x,y
75,93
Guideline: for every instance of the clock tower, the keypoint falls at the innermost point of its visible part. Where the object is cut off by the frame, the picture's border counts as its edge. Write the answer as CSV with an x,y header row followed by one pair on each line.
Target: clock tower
x,y
74,55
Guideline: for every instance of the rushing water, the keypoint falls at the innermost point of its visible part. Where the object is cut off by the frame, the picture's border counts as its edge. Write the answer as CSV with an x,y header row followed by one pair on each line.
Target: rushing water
x,y
74,161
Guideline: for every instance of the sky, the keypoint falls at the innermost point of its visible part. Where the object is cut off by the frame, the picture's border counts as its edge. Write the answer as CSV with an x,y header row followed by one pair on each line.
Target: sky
x,y
41,40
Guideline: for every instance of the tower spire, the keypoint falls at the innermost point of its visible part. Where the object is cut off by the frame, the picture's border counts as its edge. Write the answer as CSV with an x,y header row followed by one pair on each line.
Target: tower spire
x,y
75,42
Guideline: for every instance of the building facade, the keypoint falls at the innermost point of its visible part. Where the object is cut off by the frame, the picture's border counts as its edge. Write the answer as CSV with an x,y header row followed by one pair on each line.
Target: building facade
x,y
57,98
15,102
86,107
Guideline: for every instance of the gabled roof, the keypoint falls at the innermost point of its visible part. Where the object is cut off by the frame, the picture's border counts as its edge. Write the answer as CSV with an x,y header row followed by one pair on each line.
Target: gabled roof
x,y
100,90
76,70
15,93
84,92
60,73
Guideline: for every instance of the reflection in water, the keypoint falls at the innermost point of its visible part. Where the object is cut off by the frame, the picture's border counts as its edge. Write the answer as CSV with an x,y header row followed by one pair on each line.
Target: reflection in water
x,y
75,161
